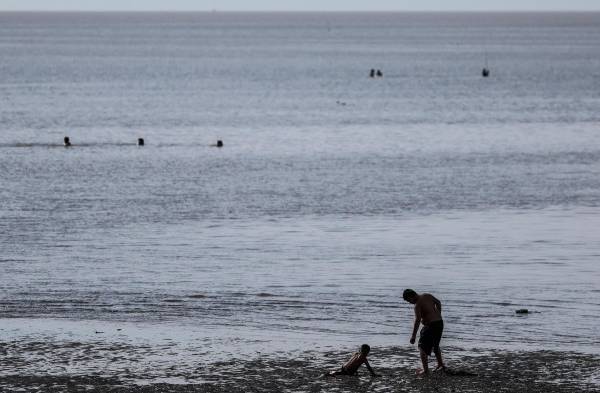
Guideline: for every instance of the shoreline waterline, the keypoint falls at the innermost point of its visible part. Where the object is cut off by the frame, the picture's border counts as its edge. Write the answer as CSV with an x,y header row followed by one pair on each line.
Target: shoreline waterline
x,y
524,371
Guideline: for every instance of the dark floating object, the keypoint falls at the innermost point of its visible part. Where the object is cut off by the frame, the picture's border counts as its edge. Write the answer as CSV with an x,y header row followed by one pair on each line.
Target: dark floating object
x,y
67,141
372,73
140,141
379,73
522,311
219,143
486,70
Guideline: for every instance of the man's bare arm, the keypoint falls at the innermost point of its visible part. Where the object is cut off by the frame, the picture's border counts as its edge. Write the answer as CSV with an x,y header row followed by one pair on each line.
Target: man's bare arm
x,y
416,325
438,304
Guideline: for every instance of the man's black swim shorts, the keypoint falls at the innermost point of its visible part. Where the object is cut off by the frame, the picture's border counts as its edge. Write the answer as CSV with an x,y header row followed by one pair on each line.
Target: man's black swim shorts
x,y
430,336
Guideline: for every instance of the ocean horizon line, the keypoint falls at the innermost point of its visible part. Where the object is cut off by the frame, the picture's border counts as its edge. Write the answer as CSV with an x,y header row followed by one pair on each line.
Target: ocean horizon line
x,y
210,11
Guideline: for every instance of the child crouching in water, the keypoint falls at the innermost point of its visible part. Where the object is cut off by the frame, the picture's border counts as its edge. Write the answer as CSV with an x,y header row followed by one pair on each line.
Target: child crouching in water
x,y
352,365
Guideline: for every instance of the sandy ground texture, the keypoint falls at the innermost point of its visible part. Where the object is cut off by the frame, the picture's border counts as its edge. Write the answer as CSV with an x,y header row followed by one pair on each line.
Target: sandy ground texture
x,y
497,371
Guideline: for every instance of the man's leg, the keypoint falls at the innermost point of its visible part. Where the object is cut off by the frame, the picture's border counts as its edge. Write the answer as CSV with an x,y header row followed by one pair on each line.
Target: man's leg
x,y
424,361
438,356
436,345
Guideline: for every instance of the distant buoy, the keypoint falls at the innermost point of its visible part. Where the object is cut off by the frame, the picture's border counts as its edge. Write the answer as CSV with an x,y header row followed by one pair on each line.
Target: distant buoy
x,y
485,72
219,143
522,311
372,73
140,141
67,141
379,73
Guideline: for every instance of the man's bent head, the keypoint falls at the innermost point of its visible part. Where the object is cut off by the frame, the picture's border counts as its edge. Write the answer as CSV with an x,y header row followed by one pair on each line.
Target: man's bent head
x,y
410,296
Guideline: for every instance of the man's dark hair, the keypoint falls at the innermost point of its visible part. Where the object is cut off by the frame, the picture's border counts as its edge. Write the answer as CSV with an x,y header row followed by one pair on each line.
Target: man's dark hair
x,y
365,348
408,294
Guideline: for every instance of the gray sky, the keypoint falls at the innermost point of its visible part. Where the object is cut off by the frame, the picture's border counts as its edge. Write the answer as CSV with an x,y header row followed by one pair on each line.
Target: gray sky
x,y
302,5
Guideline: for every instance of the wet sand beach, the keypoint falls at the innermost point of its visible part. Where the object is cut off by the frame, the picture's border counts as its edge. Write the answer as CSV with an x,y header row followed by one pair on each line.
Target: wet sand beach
x,y
496,371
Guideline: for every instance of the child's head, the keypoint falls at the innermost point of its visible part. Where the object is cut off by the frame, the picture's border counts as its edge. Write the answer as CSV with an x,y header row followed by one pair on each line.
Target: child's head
x,y
365,349
410,296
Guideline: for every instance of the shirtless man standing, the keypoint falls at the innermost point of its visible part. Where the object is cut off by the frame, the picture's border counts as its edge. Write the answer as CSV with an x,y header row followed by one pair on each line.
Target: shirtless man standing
x,y
428,310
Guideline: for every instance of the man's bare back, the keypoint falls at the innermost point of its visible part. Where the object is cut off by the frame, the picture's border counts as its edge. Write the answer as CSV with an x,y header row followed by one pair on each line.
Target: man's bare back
x,y
428,309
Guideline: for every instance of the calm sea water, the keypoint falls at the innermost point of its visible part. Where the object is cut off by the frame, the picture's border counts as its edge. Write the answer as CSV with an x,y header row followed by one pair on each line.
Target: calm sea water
x,y
333,193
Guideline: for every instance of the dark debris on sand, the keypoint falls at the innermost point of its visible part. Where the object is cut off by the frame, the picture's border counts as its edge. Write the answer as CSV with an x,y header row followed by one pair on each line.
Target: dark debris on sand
x,y
530,372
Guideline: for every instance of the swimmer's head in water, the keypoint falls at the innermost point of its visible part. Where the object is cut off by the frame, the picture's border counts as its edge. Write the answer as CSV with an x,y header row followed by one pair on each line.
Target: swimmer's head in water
x,y
409,295
365,349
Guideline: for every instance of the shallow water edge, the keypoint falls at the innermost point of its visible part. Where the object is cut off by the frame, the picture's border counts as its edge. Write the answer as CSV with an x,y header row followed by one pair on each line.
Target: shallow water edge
x,y
539,371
